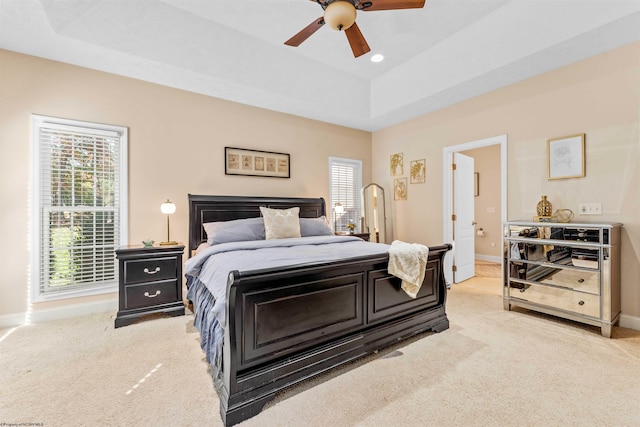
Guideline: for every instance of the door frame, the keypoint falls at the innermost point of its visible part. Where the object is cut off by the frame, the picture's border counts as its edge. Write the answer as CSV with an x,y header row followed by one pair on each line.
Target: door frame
x,y
447,191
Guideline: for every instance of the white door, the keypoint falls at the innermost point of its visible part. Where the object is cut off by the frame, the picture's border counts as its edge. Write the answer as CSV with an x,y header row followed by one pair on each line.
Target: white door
x,y
464,223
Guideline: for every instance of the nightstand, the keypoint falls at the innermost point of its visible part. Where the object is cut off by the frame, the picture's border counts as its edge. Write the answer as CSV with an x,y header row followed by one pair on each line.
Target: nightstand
x,y
150,282
363,236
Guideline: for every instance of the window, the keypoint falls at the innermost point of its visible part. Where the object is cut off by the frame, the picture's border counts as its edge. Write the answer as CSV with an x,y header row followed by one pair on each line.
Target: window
x,y
78,206
345,184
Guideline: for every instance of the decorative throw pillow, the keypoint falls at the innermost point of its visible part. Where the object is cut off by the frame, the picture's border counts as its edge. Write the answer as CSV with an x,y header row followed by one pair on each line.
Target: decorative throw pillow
x,y
315,227
281,223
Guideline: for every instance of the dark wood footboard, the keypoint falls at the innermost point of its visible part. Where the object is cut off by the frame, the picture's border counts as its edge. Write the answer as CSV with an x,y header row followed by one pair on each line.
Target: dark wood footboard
x,y
287,325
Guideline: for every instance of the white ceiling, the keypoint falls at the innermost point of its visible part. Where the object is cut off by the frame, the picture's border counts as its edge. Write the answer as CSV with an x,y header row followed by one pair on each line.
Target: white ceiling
x,y
449,51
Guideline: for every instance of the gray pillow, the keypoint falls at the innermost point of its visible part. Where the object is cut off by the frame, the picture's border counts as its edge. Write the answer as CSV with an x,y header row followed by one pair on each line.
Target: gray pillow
x,y
315,227
234,231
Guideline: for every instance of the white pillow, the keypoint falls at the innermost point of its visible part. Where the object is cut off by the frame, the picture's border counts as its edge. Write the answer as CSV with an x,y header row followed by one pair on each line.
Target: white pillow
x,y
281,223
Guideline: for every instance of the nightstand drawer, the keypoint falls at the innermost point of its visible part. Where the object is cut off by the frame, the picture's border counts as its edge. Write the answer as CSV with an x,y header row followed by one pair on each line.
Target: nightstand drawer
x,y
150,269
150,294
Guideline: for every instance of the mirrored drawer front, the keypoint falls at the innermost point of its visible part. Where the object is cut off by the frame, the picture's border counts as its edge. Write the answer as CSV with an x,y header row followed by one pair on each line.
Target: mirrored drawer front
x,y
556,254
563,299
568,234
150,294
586,281
150,269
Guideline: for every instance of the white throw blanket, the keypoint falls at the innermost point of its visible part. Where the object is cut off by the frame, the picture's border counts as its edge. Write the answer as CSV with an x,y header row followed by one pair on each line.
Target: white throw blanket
x,y
408,261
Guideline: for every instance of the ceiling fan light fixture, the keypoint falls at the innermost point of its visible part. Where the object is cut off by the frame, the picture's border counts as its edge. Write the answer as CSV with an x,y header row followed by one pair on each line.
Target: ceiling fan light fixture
x,y
340,15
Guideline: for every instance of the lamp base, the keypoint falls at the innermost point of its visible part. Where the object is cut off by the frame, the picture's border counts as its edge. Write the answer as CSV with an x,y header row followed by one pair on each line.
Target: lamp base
x,y
168,243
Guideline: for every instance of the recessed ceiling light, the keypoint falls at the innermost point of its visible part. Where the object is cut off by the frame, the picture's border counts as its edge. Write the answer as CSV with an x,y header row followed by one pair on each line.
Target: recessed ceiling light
x,y
378,57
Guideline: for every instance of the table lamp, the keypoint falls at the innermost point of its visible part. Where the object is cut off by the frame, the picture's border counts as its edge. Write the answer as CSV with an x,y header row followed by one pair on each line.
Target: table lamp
x,y
337,209
168,208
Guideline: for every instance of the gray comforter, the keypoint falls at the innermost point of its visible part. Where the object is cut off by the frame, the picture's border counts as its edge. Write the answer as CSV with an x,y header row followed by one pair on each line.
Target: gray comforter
x,y
213,264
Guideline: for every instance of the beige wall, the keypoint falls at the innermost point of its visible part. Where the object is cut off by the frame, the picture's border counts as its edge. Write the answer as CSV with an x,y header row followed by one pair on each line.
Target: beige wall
x,y
599,96
487,204
176,141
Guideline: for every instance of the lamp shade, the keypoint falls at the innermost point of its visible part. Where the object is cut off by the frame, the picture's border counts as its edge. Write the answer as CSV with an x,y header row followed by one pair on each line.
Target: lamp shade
x,y
168,207
338,208
340,15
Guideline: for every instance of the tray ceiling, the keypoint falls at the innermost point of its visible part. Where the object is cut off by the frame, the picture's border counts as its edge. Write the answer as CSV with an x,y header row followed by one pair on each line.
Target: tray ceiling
x,y
449,51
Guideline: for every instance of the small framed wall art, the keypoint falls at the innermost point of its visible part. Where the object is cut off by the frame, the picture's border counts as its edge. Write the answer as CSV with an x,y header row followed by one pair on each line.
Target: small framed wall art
x,y
240,161
418,171
566,157
400,189
396,164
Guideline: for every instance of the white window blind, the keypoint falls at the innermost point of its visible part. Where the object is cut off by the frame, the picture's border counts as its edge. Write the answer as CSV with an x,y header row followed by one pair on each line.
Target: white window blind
x,y
345,176
79,179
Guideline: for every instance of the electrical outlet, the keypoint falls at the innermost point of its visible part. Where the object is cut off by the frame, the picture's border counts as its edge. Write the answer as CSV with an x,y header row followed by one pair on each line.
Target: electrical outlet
x,y
493,245
491,210
590,209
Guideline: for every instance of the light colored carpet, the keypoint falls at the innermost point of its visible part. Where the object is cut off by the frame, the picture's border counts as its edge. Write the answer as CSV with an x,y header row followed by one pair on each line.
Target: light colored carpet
x,y
491,368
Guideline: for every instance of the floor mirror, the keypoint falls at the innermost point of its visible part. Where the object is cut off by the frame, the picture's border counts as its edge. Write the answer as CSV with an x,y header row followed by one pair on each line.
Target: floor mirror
x,y
374,212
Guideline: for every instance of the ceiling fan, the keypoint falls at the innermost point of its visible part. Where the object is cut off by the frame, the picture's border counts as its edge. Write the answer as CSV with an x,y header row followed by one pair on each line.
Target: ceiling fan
x,y
341,16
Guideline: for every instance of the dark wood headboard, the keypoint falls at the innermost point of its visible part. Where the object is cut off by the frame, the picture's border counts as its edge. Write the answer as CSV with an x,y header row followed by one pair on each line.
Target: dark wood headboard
x,y
226,208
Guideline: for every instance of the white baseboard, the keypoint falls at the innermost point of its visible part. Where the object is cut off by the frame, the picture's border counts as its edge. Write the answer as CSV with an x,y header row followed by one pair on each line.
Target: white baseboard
x,y
631,322
11,320
65,312
489,258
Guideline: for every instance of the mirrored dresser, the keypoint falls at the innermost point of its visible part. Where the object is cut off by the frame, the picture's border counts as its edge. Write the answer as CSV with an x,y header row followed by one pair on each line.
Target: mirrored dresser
x,y
570,270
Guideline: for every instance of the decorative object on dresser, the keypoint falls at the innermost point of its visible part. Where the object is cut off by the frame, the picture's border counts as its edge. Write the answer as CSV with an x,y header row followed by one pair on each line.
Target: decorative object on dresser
x,y
568,270
565,157
168,208
150,282
543,211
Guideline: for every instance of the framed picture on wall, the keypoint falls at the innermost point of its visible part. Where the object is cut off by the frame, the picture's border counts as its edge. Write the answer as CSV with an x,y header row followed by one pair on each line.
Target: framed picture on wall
x,y
418,171
400,189
566,157
396,164
240,161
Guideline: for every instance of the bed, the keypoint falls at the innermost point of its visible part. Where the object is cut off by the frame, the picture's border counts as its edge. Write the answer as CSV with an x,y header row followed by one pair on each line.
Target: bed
x,y
281,325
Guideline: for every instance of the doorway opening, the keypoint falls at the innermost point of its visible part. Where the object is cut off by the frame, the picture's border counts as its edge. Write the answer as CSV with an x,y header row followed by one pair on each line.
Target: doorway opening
x,y
448,199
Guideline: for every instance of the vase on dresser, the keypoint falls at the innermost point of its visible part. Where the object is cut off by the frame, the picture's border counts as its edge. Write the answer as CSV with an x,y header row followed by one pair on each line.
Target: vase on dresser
x,y
544,207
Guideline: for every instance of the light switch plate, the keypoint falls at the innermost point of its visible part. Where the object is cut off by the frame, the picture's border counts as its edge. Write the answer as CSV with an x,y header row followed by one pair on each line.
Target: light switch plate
x,y
590,209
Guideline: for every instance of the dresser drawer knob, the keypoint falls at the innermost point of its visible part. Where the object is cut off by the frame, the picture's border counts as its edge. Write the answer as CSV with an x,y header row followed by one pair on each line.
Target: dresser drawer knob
x,y
580,280
146,294
146,270
580,302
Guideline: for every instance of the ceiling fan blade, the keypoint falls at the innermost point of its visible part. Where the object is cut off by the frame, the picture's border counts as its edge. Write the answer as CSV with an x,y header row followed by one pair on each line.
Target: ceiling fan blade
x,y
367,6
357,42
306,32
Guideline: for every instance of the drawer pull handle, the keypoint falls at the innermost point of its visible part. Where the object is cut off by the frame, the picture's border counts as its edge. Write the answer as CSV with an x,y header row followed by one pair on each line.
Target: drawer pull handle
x,y
146,294
580,302
146,270
580,280
522,289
